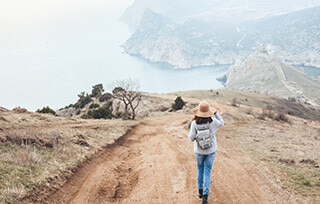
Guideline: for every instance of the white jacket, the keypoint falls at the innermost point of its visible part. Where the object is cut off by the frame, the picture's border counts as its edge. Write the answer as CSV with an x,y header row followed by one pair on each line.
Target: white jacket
x,y
213,127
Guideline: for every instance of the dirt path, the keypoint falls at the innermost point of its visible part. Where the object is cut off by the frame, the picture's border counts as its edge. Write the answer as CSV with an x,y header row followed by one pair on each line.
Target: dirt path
x,y
155,163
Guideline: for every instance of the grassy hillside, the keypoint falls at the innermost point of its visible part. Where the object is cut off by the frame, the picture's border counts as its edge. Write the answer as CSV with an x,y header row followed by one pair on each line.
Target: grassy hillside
x,y
261,101
41,151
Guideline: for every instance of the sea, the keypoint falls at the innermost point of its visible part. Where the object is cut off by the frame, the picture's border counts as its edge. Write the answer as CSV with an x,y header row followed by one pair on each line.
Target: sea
x,y
48,63
51,51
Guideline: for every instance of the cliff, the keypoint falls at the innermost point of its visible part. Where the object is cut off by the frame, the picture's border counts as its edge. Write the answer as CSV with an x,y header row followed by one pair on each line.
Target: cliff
x,y
194,41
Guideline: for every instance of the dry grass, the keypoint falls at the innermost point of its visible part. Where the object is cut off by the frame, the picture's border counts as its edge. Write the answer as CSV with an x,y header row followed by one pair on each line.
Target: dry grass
x,y
255,100
39,150
289,150
282,135
42,150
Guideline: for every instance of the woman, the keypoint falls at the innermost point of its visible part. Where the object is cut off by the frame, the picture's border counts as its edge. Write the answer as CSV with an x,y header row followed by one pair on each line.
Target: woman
x,y
205,117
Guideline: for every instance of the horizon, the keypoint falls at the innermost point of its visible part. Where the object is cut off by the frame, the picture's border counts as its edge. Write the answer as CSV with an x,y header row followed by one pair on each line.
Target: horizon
x,y
37,28
23,21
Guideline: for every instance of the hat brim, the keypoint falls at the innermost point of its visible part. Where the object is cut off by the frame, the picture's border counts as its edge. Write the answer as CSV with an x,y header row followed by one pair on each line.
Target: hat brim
x,y
209,113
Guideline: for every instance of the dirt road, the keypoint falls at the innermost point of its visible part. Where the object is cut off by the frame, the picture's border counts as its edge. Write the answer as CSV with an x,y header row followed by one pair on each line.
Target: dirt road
x,y
155,163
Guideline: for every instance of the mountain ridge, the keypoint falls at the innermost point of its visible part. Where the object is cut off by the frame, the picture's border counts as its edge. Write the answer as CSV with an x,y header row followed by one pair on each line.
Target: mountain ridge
x,y
239,10
187,43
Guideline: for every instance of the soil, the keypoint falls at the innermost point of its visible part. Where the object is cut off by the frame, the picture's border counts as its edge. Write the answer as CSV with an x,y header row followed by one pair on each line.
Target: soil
x,y
155,163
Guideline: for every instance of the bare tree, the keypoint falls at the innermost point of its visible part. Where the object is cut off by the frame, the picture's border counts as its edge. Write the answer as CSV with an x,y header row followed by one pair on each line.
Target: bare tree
x,y
128,92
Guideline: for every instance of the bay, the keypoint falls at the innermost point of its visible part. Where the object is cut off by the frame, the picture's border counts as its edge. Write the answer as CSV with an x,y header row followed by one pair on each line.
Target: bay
x,y
311,71
50,63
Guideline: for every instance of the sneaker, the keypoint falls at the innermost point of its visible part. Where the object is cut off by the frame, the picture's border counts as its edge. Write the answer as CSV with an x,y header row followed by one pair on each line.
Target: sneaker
x,y
200,193
205,199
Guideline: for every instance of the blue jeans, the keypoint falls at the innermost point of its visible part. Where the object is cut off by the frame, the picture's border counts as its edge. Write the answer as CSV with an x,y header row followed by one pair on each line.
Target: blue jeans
x,y
204,163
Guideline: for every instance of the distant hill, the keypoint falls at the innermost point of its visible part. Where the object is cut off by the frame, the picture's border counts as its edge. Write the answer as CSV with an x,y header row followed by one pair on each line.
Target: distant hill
x,y
232,10
294,37
196,41
266,74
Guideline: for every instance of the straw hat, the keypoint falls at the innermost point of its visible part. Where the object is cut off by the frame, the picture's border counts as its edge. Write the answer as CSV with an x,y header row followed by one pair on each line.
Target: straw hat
x,y
204,110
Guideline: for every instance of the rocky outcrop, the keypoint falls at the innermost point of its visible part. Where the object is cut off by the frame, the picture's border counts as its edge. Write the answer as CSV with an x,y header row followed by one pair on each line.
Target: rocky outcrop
x,y
194,42
182,45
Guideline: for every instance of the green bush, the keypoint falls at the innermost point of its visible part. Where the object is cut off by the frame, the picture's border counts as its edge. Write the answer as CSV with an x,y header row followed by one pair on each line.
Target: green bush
x,y
86,116
69,106
305,182
178,103
94,105
105,97
97,90
83,100
46,110
102,112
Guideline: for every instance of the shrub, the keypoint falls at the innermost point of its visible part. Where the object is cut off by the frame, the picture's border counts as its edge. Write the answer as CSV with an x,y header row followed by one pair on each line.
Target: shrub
x,y
103,112
178,103
94,105
31,138
235,102
272,114
86,116
305,183
83,101
118,114
105,97
20,110
292,99
281,117
69,106
97,90
46,110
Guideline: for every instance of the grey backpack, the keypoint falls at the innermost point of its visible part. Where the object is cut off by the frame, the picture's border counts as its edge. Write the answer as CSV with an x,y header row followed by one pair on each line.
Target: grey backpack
x,y
204,138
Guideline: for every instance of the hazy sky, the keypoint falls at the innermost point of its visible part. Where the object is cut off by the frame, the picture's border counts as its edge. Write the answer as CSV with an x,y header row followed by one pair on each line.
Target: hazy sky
x,y
41,42
22,11
59,48
19,17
